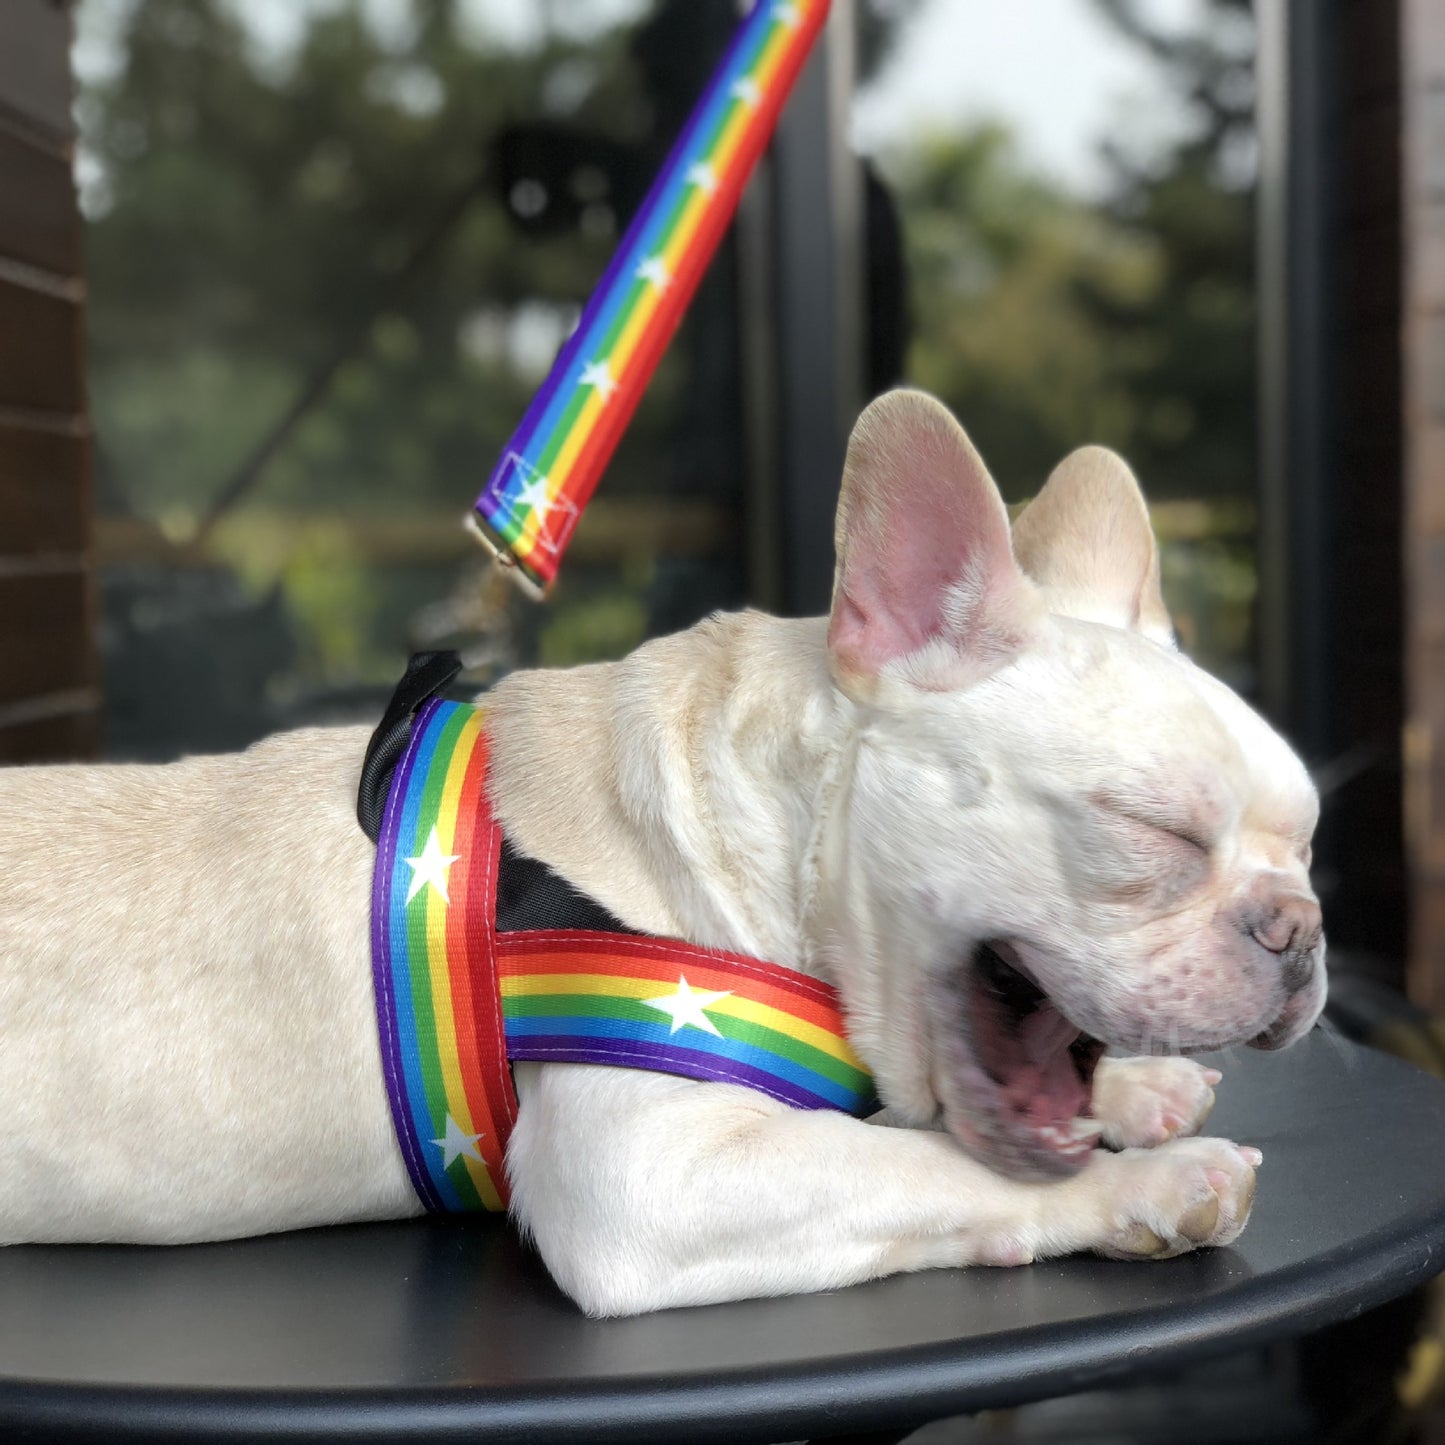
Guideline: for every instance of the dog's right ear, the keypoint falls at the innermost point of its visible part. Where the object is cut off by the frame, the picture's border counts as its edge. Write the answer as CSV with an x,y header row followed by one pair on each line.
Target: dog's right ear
x,y
926,585
1086,541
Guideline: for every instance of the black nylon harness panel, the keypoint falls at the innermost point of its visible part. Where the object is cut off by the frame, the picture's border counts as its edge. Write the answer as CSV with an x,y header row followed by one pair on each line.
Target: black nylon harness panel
x,y
427,673
532,895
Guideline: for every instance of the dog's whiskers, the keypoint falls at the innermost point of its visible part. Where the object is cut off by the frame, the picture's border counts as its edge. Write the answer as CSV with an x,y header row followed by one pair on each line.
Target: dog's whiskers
x,y
1339,1041
1330,776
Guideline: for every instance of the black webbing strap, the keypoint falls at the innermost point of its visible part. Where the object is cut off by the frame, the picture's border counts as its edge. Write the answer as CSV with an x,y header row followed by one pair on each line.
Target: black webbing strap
x,y
426,675
530,895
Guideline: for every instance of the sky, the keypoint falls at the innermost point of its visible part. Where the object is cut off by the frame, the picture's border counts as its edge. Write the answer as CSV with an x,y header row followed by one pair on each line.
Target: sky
x,y
1051,68
1054,69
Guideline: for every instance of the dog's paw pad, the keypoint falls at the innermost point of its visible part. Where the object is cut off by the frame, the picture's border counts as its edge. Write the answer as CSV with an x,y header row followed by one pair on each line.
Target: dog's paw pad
x,y
1200,1222
1138,1241
1142,1103
1186,1194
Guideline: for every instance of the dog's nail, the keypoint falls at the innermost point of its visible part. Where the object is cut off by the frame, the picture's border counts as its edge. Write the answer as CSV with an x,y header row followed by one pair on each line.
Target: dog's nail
x,y
1139,1239
1251,1156
1246,1198
1212,1076
1201,1221
1218,1179
1172,1122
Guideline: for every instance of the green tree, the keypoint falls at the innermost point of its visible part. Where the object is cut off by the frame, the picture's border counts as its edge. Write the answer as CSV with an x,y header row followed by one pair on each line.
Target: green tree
x,y
254,221
1189,357
1003,269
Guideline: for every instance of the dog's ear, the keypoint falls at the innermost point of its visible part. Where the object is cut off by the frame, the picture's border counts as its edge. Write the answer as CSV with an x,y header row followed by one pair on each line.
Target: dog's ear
x,y
1087,542
926,576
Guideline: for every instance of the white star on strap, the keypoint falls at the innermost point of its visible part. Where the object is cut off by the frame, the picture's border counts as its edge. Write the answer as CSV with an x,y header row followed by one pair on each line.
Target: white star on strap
x,y
430,867
745,89
456,1143
554,516
533,496
686,1007
703,176
654,269
596,374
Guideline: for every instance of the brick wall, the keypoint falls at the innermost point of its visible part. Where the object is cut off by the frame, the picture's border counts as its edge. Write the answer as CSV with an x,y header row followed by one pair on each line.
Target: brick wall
x,y
49,701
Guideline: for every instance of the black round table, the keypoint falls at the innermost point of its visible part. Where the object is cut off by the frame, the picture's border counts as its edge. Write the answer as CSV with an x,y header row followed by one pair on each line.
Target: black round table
x,y
452,1331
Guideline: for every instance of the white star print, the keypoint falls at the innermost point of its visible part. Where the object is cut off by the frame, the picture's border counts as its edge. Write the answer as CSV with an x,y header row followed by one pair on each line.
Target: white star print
x,y
746,90
456,1143
431,867
654,269
703,176
785,13
595,373
533,496
552,513
686,1007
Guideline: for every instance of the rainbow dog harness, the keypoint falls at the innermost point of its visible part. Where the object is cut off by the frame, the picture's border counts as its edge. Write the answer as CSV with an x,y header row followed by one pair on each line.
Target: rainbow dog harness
x,y
481,956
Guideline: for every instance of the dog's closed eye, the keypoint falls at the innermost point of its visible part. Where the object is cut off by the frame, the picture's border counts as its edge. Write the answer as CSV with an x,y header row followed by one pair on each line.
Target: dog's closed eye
x,y
1123,856
1161,861
1187,837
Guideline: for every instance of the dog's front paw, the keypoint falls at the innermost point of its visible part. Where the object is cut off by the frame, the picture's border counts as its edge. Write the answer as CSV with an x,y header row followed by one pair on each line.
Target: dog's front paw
x,y
1169,1200
1144,1102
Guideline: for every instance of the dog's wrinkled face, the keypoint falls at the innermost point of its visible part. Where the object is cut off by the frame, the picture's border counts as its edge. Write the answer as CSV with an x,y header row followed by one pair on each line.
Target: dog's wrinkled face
x,y
1055,833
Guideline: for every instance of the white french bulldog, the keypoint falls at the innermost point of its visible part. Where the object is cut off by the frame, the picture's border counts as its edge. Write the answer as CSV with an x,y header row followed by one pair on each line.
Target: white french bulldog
x,y
985,799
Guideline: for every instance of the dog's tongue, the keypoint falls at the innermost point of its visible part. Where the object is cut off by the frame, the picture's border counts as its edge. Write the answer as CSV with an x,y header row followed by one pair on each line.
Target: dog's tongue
x,y
1042,1083
1045,1034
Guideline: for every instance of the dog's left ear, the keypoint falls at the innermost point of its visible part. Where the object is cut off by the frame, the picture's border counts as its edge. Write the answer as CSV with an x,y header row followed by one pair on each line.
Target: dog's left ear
x,y
926,583
1087,542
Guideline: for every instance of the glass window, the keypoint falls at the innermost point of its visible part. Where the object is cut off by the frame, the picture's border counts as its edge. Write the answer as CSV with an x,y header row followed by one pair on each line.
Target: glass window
x,y
1074,180
334,246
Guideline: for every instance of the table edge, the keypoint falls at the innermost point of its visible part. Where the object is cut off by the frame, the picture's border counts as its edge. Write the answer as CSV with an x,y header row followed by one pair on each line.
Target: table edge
x,y
907,1385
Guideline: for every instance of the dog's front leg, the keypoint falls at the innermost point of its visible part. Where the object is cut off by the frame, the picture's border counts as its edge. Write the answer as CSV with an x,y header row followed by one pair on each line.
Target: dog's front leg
x,y
644,1191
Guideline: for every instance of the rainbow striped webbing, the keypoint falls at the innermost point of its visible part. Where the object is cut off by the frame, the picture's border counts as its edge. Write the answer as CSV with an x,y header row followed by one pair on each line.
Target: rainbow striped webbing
x,y
534,497
456,999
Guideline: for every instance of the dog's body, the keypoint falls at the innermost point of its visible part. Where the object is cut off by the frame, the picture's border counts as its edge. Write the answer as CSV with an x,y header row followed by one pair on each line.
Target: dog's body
x,y
958,757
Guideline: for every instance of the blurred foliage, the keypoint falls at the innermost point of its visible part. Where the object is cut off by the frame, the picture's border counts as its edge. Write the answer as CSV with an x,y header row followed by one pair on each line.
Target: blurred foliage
x,y
251,219
1047,321
1005,272
1192,365
253,215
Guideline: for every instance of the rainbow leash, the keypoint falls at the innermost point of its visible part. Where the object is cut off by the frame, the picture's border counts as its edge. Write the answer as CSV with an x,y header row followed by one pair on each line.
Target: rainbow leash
x,y
456,1000
534,498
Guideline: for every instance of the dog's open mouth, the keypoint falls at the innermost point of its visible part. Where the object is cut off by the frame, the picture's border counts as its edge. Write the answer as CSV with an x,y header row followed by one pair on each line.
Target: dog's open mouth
x,y
1016,1077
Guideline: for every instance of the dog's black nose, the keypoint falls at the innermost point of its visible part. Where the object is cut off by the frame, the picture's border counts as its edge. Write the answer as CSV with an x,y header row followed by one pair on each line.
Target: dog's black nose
x,y
1291,929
